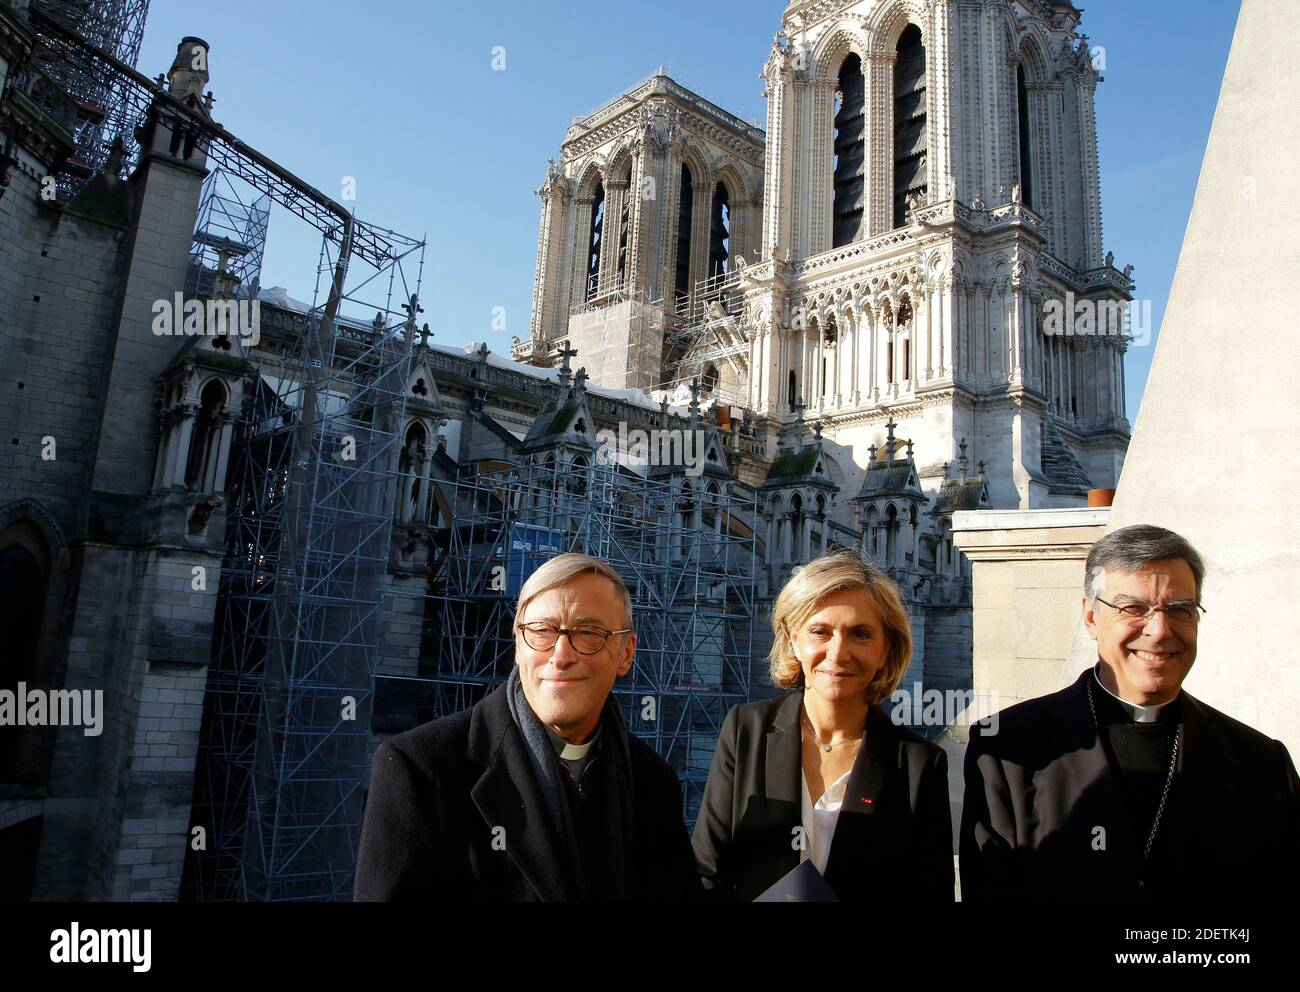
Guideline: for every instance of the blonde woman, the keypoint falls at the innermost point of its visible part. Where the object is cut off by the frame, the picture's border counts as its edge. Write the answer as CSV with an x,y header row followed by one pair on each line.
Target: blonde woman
x,y
822,773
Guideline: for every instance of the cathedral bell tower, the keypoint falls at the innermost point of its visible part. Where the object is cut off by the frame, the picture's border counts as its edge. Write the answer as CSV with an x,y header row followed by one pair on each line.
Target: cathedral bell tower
x,y
931,199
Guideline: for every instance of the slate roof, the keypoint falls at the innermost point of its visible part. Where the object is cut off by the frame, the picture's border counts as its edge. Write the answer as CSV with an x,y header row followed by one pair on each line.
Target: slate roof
x,y
957,495
551,424
887,479
511,442
793,464
1065,476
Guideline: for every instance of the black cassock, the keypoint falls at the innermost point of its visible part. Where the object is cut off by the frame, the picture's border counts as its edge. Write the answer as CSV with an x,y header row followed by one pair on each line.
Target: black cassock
x,y
1051,812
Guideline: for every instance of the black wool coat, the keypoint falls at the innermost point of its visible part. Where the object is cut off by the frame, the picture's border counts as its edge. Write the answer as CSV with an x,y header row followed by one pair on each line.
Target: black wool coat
x,y
454,813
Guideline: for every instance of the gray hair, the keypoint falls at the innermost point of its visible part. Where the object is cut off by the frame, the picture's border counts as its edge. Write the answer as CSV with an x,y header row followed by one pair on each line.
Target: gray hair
x,y
560,570
1130,549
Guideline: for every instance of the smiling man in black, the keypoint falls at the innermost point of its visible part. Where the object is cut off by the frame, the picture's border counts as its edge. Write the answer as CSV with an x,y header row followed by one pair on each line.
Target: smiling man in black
x,y
538,792
1125,786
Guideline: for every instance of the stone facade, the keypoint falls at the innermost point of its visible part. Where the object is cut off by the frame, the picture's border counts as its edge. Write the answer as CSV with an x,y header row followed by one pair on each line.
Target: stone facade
x,y
113,544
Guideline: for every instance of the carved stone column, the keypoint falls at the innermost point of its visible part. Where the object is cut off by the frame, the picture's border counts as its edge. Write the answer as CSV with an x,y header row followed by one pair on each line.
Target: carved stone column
x,y
217,481
181,453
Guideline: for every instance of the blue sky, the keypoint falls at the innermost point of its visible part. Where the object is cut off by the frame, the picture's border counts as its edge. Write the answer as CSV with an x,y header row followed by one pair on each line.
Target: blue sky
x,y
402,96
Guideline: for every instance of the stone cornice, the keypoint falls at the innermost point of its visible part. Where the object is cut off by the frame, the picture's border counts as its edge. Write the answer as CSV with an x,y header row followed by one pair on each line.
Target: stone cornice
x,y
40,115
606,123
16,37
809,13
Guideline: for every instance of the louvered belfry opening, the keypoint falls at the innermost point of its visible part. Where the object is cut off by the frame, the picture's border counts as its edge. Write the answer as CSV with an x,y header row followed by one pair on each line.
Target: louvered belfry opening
x,y
685,209
624,229
720,232
909,122
593,240
1022,117
849,152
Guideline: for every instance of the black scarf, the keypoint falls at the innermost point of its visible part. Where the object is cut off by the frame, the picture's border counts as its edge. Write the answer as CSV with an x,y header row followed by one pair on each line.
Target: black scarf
x,y
613,765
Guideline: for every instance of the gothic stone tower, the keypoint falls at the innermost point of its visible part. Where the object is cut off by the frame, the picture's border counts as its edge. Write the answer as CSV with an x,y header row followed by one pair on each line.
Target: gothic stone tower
x,y
654,192
931,187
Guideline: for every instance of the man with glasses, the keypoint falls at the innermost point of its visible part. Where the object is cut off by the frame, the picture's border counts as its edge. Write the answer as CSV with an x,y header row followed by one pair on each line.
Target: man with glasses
x,y
538,792
1124,786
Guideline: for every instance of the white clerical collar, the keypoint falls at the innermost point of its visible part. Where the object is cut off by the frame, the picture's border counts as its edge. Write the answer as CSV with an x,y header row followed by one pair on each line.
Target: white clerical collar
x,y
571,752
1138,712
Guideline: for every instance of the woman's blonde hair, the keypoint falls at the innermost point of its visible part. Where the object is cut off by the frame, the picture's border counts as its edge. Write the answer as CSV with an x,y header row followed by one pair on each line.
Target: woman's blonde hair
x,y
804,592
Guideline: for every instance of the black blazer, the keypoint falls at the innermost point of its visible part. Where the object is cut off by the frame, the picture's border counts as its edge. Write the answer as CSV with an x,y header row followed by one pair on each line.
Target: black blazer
x,y
899,843
1038,789
438,791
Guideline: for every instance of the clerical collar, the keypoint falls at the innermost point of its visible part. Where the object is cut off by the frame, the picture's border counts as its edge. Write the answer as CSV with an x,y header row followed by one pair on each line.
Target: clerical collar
x,y
1136,711
567,751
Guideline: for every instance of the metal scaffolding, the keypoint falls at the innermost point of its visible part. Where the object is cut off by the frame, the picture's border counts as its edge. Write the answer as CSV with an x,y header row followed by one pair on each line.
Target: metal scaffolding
x,y
283,747
282,754
116,27
229,235
688,558
709,329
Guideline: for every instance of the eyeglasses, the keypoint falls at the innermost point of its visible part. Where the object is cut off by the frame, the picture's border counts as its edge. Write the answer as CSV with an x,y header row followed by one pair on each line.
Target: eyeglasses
x,y
585,639
1137,613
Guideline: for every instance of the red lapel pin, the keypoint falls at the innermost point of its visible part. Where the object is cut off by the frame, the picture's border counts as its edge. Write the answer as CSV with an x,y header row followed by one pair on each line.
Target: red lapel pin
x,y
866,799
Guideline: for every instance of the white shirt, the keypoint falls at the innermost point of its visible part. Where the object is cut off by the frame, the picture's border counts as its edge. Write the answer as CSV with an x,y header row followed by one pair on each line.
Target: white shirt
x,y
819,820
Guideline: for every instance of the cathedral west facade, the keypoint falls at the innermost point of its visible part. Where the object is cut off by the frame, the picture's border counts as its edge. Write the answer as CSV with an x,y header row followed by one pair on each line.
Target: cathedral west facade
x,y
849,303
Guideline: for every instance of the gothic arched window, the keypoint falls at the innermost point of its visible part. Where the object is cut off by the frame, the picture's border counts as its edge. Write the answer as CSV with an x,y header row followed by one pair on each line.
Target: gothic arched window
x,y
200,464
910,135
720,232
24,572
849,153
685,210
1026,159
594,238
578,476
796,527
410,465
904,327
624,227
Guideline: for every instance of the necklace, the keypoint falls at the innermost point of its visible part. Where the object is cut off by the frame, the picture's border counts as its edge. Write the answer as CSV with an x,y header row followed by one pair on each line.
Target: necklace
x,y
826,747
1169,776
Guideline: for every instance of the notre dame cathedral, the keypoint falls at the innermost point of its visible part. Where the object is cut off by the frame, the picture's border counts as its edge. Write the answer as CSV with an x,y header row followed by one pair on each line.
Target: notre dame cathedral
x,y
850,306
